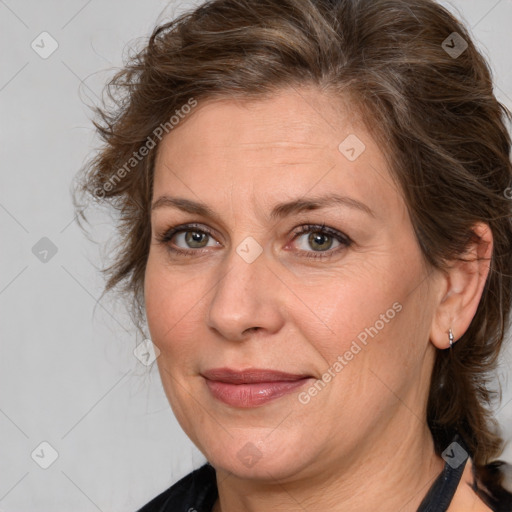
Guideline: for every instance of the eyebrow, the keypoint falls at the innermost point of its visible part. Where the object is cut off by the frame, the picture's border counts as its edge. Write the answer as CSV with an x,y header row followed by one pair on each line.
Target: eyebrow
x,y
279,211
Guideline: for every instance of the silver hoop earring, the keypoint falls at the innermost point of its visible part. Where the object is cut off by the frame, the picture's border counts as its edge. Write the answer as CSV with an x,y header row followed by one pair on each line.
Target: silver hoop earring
x,y
450,337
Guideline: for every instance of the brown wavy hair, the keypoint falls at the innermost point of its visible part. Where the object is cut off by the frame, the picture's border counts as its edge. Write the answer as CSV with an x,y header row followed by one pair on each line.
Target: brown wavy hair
x,y
435,113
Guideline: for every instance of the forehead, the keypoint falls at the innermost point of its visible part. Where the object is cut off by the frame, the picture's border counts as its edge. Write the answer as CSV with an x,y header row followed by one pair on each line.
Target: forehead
x,y
292,142
297,119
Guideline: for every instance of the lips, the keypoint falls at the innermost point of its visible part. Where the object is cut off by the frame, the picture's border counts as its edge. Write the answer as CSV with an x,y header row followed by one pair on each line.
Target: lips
x,y
250,376
252,387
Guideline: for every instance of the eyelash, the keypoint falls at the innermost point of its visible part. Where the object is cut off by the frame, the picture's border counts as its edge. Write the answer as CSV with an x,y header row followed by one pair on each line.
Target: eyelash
x,y
166,237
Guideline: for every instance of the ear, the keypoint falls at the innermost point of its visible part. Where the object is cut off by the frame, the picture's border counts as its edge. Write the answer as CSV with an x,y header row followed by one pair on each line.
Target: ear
x,y
461,289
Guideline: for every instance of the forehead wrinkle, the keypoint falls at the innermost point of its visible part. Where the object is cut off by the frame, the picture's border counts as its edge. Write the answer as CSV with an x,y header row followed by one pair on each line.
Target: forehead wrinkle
x,y
278,144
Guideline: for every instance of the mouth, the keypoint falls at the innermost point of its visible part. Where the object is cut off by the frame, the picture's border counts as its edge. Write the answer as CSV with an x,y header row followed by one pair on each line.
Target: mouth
x,y
252,387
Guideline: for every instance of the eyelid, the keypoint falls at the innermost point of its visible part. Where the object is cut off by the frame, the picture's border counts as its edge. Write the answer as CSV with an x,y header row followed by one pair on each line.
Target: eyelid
x,y
322,228
166,235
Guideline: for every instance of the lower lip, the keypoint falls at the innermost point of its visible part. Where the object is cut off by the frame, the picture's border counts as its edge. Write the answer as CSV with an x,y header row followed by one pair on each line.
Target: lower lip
x,y
252,395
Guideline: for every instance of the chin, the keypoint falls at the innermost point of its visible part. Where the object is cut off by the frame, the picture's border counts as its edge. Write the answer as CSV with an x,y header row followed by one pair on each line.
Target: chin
x,y
257,457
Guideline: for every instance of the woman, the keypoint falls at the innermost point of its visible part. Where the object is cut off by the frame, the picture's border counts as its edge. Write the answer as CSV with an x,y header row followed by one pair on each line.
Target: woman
x,y
315,224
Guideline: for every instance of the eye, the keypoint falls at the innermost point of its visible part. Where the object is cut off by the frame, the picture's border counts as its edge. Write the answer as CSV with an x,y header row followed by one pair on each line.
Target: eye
x,y
187,239
192,239
320,239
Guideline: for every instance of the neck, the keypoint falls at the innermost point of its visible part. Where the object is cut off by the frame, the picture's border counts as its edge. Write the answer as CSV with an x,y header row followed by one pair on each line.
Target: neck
x,y
394,474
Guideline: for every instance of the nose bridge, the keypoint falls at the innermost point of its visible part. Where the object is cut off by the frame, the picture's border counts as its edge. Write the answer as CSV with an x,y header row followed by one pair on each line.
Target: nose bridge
x,y
244,298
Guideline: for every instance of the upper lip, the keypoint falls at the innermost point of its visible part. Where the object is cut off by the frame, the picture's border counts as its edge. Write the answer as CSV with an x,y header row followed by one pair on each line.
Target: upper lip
x,y
250,375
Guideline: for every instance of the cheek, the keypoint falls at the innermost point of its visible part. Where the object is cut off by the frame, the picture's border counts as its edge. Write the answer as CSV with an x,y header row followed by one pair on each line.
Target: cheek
x,y
173,301
344,306
362,360
360,323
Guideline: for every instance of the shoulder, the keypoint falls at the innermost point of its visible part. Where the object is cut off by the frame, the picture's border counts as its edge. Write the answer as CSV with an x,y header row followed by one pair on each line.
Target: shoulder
x,y
493,484
197,490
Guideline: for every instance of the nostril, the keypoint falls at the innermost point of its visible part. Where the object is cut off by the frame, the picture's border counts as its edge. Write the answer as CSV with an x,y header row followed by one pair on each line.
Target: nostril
x,y
251,329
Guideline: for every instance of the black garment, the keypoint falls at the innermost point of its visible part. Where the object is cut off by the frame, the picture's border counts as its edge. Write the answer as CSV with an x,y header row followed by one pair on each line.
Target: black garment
x,y
197,491
441,493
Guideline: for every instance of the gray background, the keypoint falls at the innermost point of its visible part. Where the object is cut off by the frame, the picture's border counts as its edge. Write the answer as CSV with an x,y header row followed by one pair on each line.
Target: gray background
x,y
68,373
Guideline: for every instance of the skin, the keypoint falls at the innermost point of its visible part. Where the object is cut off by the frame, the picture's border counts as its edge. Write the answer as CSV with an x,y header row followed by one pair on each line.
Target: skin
x,y
361,443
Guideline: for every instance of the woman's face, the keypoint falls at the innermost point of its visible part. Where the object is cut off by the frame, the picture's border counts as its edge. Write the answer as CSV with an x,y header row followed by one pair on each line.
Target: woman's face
x,y
296,255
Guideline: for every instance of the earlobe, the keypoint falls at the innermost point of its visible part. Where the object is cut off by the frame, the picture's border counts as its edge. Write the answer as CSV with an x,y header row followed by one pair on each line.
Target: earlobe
x,y
463,285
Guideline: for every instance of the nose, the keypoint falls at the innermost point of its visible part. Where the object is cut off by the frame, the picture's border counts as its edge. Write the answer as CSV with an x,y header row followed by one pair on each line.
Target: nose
x,y
248,297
